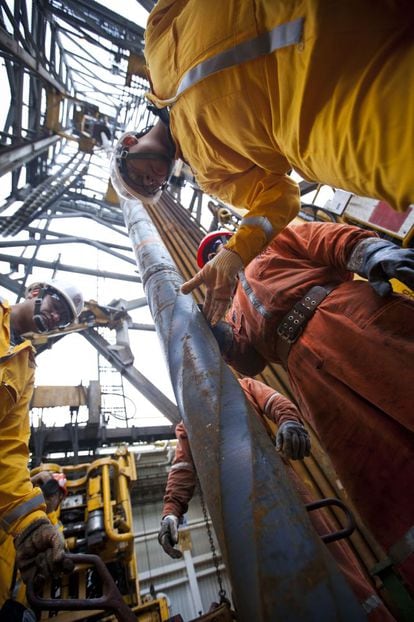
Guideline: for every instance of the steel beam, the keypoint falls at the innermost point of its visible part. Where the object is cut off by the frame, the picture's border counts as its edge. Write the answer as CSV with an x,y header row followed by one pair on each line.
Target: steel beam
x,y
279,568
11,45
128,371
51,440
56,265
95,18
13,157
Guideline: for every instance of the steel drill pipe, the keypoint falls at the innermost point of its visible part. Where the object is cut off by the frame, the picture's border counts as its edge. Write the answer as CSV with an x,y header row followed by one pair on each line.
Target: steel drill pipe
x,y
181,236
279,568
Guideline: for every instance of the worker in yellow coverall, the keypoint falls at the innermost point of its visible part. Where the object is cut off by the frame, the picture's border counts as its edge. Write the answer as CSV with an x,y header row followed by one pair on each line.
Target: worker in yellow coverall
x,y
292,440
13,603
48,305
256,88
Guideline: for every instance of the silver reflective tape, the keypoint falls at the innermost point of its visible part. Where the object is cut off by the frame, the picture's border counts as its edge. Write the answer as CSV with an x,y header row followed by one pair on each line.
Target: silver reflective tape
x,y
259,221
183,465
280,37
252,297
269,401
371,603
403,548
21,510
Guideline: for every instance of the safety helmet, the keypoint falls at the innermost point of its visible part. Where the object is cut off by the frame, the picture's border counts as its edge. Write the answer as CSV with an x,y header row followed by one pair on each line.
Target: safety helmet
x,y
68,295
126,185
209,245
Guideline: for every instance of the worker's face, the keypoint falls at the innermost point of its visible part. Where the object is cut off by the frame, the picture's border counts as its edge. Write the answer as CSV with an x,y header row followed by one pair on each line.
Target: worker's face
x,y
53,310
146,175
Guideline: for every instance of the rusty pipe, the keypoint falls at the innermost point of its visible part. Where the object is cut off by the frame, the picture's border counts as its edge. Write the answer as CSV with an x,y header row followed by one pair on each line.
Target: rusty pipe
x,y
278,567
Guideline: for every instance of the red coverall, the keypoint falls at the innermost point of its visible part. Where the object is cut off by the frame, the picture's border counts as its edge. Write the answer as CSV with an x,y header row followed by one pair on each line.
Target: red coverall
x,y
277,408
351,370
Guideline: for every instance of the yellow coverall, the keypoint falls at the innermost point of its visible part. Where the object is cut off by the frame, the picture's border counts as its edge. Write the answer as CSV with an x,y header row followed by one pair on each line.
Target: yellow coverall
x,y
20,503
337,106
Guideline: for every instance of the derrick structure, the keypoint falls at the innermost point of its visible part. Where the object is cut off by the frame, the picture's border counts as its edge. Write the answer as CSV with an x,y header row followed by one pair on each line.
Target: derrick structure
x,y
70,66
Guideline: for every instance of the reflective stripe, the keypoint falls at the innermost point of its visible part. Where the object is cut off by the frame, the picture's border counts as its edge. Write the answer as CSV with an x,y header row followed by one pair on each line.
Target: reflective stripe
x,y
252,297
183,465
269,401
371,603
259,221
21,510
280,37
403,548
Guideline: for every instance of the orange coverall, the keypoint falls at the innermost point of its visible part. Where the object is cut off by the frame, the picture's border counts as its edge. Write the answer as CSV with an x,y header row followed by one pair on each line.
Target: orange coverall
x,y
336,106
351,370
266,402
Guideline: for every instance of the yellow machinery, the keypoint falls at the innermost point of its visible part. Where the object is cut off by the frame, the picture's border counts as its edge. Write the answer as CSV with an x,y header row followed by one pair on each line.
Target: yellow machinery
x,y
96,519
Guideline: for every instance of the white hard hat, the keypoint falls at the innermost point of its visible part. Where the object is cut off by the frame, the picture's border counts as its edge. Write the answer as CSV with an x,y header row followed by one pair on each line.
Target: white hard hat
x,y
67,291
124,185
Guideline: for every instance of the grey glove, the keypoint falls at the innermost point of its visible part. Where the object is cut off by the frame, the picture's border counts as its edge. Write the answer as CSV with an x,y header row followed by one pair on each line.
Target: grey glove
x,y
168,535
381,260
40,551
293,440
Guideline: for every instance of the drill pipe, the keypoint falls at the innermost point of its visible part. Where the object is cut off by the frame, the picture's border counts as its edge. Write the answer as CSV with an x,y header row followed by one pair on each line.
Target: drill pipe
x,y
279,568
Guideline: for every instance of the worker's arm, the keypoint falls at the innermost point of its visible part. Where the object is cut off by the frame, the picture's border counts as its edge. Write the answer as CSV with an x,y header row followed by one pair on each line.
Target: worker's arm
x,y
39,547
20,503
178,492
236,349
351,249
242,356
292,438
181,478
271,403
272,202
326,244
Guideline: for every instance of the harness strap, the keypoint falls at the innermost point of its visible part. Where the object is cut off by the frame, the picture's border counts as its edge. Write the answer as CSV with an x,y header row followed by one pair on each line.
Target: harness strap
x,y
279,37
294,322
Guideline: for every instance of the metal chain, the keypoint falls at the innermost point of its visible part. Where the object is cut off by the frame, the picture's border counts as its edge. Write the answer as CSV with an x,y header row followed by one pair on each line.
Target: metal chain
x,y
222,591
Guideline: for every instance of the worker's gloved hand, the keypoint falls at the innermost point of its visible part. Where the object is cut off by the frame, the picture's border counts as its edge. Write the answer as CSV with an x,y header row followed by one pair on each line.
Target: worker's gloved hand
x,y
382,260
168,535
223,334
40,552
293,440
220,278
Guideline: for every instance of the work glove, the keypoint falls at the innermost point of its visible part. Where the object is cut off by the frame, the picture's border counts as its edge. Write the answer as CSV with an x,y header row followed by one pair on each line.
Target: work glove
x,y
382,260
168,535
223,334
52,492
220,278
40,552
293,440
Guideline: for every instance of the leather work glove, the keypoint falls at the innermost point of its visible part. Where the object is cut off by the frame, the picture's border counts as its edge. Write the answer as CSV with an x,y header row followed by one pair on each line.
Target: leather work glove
x,y
382,260
293,440
168,535
220,278
40,552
